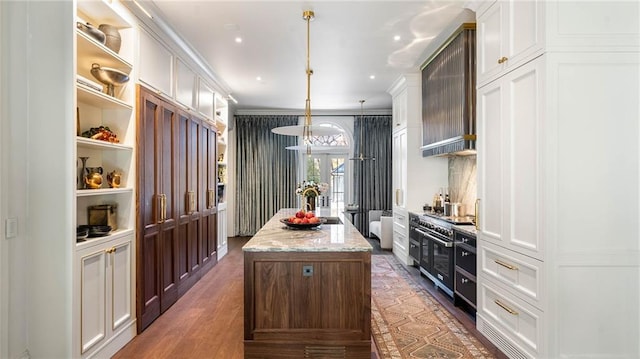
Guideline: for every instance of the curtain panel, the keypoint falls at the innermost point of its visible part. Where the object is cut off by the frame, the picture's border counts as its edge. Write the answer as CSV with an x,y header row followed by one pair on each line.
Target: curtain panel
x,y
372,179
266,170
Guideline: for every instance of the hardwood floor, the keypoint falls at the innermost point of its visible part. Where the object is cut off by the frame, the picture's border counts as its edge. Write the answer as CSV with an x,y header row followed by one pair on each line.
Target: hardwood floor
x,y
207,322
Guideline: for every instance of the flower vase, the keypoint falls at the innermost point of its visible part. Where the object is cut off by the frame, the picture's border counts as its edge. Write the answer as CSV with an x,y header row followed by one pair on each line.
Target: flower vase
x,y
311,203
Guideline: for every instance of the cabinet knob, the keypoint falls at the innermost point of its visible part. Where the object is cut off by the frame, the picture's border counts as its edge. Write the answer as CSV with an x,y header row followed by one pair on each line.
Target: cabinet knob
x,y
464,280
502,60
464,254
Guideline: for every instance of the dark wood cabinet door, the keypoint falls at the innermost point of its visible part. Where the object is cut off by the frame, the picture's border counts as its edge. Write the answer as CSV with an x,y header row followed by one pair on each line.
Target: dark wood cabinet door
x,y
208,185
182,154
176,216
148,285
168,133
156,266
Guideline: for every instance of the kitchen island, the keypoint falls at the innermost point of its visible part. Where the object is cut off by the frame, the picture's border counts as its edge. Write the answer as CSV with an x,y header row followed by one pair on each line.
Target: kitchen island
x,y
307,293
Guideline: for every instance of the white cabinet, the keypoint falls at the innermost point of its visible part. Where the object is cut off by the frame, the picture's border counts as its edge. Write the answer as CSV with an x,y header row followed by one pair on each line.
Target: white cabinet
x,y
415,178
156,64
509,141
221,119
556,132
205,99
399,176
222,230
106,294
399,112
509,33
185,84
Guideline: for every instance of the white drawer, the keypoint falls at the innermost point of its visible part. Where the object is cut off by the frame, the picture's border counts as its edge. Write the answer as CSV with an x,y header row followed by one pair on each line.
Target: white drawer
x,y
510,317
400,240
518,272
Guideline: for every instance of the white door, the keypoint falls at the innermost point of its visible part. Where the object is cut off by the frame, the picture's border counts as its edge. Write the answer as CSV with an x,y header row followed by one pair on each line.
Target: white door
x,y
332,169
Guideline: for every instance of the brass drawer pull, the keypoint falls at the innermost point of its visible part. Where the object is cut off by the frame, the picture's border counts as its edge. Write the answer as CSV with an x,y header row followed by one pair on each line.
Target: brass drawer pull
x,y
191,202
159,213
163,207
502,60
505,307
506,265
477,219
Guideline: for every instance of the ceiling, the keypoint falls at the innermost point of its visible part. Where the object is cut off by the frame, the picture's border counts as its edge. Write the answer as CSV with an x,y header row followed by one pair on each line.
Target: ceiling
x,y
350,41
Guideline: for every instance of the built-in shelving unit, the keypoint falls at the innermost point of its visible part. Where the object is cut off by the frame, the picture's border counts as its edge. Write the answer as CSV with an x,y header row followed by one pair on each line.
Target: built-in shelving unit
x,y
104,281
221,112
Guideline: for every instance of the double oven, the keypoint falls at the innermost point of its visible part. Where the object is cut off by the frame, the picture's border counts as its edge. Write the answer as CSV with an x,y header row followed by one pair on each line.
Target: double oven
x,y
431,246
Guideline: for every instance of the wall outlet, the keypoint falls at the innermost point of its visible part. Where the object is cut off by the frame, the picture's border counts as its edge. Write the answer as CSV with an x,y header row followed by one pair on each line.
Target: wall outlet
x,y
11,228
307,271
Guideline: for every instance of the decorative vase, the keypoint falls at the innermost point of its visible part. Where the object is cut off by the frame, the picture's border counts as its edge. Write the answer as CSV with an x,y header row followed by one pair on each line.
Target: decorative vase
x,y
112,37
81,183
311,203
93,177
113,179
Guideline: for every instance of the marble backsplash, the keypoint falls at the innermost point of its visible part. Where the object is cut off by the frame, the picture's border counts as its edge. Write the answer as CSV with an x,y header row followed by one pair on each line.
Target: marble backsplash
x,y
463,181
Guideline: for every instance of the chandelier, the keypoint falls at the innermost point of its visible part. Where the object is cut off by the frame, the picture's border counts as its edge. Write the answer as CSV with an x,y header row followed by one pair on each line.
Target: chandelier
x,y
307,130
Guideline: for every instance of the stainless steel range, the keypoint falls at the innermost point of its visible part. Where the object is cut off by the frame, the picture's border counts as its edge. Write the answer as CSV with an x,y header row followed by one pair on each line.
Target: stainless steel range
x,y
434,236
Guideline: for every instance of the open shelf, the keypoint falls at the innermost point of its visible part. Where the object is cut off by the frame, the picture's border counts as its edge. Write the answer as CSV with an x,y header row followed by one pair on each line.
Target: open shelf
x,y
102,145
102,191
99,99
89,242
90,51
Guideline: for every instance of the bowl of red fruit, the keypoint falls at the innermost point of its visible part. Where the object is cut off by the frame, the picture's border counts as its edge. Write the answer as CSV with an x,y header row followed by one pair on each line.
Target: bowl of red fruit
x,y
303,220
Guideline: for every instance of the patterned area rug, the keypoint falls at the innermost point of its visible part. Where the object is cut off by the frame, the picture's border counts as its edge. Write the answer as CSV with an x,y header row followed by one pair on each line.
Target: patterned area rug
x,y
408,323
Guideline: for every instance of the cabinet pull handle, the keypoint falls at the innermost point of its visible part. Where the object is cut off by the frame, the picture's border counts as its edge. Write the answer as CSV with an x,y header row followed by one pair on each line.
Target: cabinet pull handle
x,y
159,208
502,60
464,253
111,250
506,265
191,202
505,307
211,199
163,205
477,214
464,280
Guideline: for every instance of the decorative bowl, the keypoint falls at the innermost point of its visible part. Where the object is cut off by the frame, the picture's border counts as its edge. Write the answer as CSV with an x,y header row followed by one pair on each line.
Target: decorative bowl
x,y
95,230
108,76
352,207
302,225
92,31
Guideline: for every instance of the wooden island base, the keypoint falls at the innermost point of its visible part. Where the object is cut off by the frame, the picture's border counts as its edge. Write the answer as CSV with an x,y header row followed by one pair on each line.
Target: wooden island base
x,y
307,304
307,293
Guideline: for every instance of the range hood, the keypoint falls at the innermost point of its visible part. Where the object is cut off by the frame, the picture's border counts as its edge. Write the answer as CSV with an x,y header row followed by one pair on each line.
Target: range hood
x,y
449,97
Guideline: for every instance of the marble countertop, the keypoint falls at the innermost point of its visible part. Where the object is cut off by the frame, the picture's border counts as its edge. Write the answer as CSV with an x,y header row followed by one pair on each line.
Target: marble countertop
x,y
275,236
467,229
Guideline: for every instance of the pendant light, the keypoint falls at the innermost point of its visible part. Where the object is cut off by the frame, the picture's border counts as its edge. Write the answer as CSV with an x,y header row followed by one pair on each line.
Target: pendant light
x,y
307,130
361,157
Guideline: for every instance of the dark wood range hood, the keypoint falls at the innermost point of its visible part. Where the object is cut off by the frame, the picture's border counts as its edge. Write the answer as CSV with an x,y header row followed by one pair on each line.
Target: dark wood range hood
x,y
449,96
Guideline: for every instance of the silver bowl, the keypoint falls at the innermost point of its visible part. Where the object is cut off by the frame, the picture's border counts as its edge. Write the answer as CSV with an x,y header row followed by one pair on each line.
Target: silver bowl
x,y
110,77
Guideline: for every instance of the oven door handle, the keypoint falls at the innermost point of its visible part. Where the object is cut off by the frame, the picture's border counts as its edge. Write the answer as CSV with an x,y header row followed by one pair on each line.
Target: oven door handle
x,y
446,244
422,232
440,241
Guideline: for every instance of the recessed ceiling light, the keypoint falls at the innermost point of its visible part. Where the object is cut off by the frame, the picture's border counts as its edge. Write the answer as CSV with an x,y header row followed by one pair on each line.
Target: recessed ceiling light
x,y
372,77
258,78
396,38
238,39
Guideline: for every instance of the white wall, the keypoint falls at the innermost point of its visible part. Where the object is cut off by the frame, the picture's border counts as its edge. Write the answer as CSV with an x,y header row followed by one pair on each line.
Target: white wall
x,y
37,177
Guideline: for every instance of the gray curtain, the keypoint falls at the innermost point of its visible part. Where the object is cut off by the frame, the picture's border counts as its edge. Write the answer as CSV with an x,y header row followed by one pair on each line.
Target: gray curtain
x,y
372,179
266,171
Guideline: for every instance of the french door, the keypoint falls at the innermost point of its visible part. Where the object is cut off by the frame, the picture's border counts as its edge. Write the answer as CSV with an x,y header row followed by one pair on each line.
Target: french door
x,y
332,169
